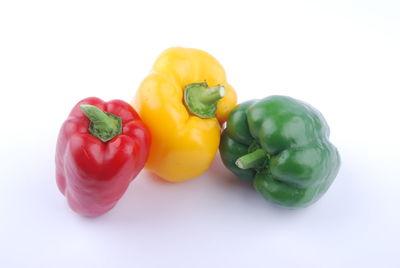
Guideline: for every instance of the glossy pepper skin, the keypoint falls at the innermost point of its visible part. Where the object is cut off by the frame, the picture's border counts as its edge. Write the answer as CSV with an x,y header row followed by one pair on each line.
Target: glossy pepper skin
x,y
91,173
281,145
183,143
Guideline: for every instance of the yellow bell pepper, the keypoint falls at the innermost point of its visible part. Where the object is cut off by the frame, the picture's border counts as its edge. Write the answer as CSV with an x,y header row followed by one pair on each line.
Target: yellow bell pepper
x,y
183,113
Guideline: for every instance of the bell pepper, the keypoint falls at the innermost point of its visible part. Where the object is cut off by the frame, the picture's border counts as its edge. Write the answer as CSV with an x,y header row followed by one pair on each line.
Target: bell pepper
x,y
101,148
281,145
183,101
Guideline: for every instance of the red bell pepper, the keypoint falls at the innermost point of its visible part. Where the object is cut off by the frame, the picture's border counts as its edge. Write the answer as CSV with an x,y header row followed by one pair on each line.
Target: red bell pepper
x,y
101,148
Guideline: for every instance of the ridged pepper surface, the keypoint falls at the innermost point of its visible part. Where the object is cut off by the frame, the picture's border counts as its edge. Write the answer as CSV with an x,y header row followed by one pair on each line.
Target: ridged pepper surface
x,y
101,147
183,101
281,145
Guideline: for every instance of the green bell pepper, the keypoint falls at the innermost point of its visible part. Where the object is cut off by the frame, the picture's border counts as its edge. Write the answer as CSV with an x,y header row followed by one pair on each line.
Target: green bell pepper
x,y
281,145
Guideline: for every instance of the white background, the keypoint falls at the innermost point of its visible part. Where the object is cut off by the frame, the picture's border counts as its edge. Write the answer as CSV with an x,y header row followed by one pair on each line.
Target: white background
x,y
343,57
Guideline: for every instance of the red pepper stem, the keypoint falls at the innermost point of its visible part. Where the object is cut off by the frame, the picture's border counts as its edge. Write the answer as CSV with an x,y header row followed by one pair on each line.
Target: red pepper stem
x,y
252,160
103,125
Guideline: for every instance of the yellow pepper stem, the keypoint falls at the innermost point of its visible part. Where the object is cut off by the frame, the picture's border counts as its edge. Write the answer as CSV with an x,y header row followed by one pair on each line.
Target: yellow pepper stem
x,y
202,100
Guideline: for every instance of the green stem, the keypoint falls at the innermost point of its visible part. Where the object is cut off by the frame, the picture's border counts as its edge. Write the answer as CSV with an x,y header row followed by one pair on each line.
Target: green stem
x,y
211,95
202,100
103,125
251,160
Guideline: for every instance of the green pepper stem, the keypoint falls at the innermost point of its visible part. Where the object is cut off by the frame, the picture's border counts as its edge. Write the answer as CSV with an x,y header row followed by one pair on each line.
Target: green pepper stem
x,y
103,125
251,160
202,100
